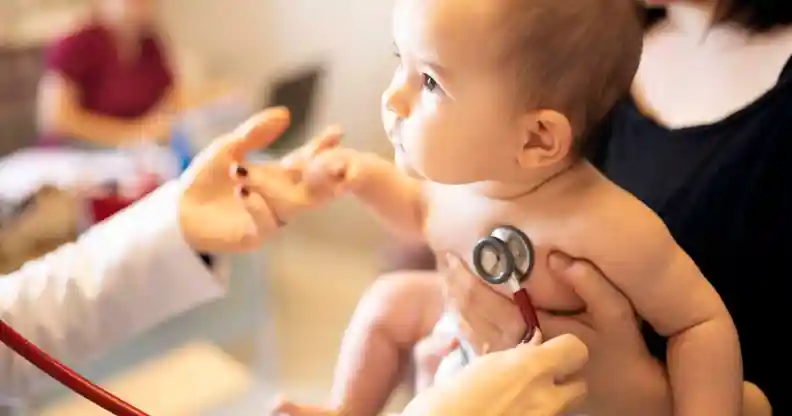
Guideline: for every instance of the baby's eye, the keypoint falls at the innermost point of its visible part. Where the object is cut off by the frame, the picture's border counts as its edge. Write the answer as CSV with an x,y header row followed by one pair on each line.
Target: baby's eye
x,y
429,83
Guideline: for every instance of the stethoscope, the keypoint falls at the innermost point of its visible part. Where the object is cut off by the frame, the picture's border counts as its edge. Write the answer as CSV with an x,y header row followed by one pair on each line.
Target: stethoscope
x,y
65,375
507,256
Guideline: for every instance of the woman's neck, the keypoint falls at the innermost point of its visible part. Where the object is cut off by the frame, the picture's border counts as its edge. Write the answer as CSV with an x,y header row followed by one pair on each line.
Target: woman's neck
x,y
127,40
691,17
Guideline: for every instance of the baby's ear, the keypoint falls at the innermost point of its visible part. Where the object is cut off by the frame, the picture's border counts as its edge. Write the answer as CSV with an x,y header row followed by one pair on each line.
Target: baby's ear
x,y
547,139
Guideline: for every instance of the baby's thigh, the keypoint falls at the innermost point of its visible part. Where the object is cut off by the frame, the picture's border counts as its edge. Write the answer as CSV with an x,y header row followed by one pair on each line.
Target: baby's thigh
x,y
403,305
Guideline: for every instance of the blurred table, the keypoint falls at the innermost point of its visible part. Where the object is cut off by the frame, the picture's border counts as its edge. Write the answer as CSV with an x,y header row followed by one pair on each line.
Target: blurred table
x,y
25,171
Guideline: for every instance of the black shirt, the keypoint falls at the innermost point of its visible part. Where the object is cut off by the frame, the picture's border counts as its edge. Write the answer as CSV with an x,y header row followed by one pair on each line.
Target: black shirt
x,y
725,192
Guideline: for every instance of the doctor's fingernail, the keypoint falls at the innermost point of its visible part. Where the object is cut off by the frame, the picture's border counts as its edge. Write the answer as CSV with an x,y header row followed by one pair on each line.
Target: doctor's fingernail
x,y
559,261
241,171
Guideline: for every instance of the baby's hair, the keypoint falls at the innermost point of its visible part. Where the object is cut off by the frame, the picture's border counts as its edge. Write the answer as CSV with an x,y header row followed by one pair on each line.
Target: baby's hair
x,y
577,57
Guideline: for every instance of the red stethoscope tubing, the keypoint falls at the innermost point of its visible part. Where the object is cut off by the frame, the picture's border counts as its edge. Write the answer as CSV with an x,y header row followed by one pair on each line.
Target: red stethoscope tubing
x,y
64,374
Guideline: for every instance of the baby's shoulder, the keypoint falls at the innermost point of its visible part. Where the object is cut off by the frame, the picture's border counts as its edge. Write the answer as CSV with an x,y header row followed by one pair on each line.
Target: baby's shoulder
x,y
612,222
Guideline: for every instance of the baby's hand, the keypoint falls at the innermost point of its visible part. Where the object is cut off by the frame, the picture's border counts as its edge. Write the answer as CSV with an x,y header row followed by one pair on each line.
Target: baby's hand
x,y
334,172
279,188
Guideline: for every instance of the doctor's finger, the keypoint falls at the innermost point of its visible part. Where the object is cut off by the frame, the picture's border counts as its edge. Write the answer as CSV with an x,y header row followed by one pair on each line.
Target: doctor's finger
x,y
499,333
257,132
482,336
475,297
263,215
274,184
562,356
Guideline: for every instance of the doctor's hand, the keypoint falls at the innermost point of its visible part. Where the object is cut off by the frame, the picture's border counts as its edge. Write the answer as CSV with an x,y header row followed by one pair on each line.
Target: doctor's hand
x,y
216,212
487,318
531,380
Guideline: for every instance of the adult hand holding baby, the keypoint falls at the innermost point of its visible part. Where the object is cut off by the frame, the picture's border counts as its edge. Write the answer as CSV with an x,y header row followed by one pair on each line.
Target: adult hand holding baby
x,y
609,328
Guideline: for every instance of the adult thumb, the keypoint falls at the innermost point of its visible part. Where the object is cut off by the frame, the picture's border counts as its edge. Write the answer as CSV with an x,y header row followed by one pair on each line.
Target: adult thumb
x,y
258,132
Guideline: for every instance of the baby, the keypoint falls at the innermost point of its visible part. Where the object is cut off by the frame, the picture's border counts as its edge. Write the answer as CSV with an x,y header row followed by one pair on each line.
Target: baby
x,y
489,108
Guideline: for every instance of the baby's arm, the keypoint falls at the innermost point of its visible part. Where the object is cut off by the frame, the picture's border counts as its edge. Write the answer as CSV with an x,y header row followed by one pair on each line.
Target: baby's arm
x,y
668,290
395,198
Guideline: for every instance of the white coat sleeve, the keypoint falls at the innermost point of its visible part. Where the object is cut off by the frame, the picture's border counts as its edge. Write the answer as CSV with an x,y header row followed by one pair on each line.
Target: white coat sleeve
x,y
121,277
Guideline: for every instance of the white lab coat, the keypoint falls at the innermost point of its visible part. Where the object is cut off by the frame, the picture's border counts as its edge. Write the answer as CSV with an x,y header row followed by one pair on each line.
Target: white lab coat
x,y
121,277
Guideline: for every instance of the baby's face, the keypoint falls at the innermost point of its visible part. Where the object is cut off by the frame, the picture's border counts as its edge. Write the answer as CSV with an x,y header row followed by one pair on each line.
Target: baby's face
x,y
447,111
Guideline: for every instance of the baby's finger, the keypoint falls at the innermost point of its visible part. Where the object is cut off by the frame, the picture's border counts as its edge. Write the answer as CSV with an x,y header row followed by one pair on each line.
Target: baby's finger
x,y
273,184
328,139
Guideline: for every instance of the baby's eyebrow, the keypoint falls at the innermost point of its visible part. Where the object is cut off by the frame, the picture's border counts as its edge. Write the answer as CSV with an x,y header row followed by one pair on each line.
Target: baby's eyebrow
x,y
438,69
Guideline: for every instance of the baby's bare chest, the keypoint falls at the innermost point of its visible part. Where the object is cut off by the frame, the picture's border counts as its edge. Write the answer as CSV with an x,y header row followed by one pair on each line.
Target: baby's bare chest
x,y
456,221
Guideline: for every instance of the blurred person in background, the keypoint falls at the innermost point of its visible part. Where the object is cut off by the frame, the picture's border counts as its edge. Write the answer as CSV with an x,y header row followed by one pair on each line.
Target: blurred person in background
x,y
704,140
110,82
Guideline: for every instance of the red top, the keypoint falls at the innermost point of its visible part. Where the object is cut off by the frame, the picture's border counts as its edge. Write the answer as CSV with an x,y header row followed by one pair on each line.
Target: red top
x,y
89,59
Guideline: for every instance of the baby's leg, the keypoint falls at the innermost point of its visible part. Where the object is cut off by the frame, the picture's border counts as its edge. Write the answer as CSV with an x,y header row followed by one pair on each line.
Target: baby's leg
x,y
399,310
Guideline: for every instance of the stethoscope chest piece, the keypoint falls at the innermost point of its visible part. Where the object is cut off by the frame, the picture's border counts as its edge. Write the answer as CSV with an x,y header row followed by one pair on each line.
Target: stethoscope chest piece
x,y
507,252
